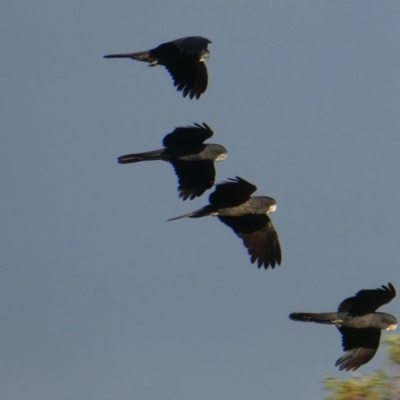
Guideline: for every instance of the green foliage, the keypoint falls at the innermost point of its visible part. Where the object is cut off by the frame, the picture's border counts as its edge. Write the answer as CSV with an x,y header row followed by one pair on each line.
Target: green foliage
x,y
393,350
380,385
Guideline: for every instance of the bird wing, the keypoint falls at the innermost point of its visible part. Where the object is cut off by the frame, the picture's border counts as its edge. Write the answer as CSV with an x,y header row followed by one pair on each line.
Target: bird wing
x,y
191,44
192,47
188,136
201,82
259,237
189,75
194,177
232,192
360,346
368,301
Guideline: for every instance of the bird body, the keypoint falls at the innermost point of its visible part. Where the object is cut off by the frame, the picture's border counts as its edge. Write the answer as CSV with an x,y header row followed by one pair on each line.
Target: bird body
x,y
209,151
345,320
183,58
255,205
260,205
358,323
232,203
192,160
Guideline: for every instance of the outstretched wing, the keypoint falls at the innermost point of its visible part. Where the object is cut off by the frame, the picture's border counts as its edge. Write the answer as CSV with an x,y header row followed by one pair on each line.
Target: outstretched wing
x,y
259,237
194,177
188,136
360,346
189,75
184,60
232,192
368,300
201,81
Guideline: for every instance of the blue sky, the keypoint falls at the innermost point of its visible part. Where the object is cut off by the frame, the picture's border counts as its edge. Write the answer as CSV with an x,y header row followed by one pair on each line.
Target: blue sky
x,y
102,298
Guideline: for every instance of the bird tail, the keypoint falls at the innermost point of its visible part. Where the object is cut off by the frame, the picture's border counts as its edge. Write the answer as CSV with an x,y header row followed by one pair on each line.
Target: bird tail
x,y
322,318
147,156
141,56
190,215
203,212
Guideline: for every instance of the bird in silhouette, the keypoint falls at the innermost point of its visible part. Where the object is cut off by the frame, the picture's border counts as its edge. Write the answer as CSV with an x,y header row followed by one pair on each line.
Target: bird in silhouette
x,y
183,58
232,203
192,160
358,323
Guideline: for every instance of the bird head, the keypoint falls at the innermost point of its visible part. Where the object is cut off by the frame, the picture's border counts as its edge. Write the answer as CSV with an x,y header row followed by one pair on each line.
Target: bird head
x,y
204,55
217,152
263,204
390,322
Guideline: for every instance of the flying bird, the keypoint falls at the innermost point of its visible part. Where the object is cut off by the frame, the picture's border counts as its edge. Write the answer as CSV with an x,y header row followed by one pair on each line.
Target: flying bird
x,y
358,323
232,203
192,160
183,58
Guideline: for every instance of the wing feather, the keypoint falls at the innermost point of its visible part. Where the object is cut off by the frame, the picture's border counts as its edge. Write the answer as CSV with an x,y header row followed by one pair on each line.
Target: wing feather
x,y
360,346
188,136
368,300
259,237
194,177
232,192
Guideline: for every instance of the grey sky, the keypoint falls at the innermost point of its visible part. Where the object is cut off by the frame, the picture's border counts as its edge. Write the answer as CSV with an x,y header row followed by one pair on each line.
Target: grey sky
x,y
101,297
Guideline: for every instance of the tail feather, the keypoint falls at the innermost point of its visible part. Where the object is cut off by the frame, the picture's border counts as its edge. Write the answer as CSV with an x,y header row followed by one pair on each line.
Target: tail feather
x,y
147,156
322,318
141,56
190,215
202,212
